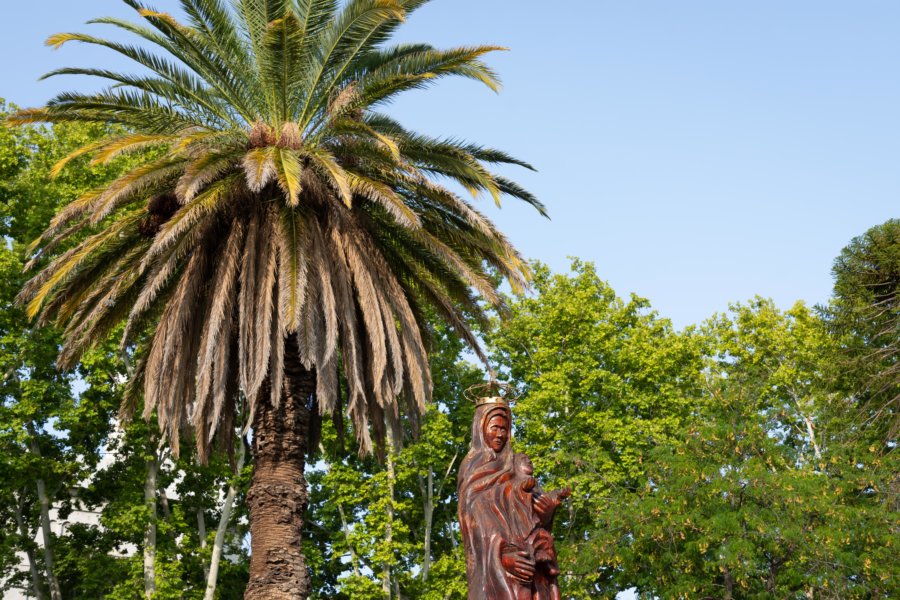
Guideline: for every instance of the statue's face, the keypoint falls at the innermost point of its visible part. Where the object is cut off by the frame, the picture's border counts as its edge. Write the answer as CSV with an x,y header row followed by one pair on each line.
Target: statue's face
x,y
496,433
524,464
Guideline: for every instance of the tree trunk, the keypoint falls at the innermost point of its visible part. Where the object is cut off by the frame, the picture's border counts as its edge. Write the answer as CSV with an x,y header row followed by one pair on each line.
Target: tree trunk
x,y
452,535
44,501
812,437
164,504
386,583
354,559
150,531
428,510
201,534
26,542
213,571
55,592
810,430
772,578
278,496
345,528
429,495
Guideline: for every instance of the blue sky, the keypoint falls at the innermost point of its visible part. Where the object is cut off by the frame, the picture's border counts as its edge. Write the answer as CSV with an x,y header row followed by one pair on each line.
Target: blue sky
x,y
699,152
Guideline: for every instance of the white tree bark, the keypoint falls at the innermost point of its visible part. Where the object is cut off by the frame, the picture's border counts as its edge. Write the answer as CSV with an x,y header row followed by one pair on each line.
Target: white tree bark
x,y
164,504
386,584
812,437
201,533
428,513
25,535
55,592
216,558
150,532
428,509
810,430
345,528
44,502
354,559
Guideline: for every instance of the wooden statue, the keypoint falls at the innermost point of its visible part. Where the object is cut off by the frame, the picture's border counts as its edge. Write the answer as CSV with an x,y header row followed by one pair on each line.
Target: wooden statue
x,y
505,517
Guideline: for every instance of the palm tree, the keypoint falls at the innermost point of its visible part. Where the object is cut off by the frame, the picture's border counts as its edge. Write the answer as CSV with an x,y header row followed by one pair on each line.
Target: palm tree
x,y
280,231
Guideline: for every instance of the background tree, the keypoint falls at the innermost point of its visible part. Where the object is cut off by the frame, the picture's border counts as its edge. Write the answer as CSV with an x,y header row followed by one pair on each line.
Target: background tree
x,y
756,497
87,463
709,463
50,432
864,314
766,482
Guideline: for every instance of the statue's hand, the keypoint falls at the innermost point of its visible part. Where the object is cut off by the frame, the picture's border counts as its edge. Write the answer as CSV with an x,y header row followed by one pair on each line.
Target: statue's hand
x,y
545,505
563,493
517,563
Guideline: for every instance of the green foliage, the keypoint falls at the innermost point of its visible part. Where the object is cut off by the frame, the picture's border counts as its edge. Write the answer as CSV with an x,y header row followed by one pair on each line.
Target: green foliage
x,y
715,462
864,315
49,431
744,503
58,425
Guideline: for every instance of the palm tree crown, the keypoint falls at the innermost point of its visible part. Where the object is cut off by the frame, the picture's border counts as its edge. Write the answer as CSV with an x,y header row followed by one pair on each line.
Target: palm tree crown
x,y
275,204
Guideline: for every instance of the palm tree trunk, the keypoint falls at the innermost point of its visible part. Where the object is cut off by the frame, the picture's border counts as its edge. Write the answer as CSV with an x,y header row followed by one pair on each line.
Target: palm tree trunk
x,y
278,495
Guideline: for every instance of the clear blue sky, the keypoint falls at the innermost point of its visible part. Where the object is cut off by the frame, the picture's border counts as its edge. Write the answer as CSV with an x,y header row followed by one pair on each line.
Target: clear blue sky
x,y
699,152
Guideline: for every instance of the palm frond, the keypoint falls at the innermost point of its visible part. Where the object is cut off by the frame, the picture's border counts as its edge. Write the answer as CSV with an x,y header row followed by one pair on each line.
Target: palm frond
x,y
357,26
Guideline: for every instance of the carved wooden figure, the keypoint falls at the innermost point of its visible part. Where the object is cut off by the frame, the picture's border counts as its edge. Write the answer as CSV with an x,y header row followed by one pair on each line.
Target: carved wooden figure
x,y
505,518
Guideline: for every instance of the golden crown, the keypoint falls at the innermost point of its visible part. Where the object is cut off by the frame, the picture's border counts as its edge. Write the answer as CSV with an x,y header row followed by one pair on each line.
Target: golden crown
x,y
490,392
491,400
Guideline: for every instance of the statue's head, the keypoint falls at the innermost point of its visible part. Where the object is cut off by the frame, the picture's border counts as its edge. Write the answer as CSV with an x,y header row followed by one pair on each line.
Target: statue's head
x,y
496,431
523,464
492,429
525,471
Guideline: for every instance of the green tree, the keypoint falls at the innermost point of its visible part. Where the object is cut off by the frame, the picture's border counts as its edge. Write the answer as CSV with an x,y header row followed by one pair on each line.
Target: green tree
x,y
603,382
282,228
756,497
864,314
50,433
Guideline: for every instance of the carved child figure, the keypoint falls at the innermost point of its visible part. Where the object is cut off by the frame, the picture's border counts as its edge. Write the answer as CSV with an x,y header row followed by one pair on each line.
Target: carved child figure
x,y
538,508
